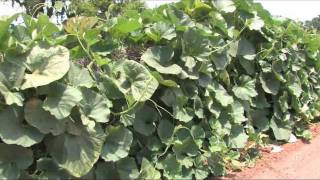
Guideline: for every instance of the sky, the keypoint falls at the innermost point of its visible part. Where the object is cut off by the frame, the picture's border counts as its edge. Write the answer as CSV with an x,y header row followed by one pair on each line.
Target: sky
x,y
295,9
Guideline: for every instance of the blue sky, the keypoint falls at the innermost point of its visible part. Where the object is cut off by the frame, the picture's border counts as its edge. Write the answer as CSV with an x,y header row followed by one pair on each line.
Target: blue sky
x,y
295,9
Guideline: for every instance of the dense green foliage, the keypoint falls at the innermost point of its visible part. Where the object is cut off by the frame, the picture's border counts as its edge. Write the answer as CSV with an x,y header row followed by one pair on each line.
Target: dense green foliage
x,y
70,8
187,90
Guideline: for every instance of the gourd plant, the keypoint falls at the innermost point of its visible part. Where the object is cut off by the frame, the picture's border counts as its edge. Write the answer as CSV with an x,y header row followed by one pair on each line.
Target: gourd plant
x,y
186,90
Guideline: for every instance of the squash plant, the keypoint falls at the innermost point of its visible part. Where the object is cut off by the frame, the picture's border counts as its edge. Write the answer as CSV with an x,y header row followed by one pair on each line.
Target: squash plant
x,y
186,90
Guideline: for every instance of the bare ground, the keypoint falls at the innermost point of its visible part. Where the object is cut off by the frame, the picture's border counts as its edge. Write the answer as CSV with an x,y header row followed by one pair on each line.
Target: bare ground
x,y
299,160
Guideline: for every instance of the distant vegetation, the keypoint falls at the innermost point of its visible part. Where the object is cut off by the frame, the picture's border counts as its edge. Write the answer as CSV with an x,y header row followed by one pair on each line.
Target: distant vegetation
x,y
314,23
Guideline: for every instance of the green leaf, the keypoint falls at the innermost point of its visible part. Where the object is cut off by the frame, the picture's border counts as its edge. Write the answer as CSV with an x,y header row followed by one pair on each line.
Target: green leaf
x,y
61,99
37,117
79,77
127,168
269,83
184,114
172,169
221,60
160,58
13,131
148,171
145,119
238,138
280,130
295,89
12,71
117,143
246,89
106,171
164,82
76,152
110,88
127,25
260,119
221,95
50,170
195,45
226,6
13,159
161,30
165,130
11,97
136,80
246,49
95,106
255,23
237,112
47,64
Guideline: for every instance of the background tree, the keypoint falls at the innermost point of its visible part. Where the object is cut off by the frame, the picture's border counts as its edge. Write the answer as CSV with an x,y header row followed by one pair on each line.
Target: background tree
x,y
314,23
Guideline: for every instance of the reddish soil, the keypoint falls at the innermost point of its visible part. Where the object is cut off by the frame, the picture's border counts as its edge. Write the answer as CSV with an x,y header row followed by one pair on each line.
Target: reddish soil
x,y
299,160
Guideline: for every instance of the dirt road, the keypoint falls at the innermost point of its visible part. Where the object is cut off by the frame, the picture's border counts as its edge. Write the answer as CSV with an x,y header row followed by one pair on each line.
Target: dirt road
x,y
297,161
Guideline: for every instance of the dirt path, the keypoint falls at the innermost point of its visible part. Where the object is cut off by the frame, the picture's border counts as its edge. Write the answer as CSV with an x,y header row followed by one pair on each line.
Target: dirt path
x,y
296,161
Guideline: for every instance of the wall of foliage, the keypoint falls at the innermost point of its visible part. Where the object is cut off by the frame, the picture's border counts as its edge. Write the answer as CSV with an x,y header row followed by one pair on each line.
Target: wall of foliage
x,y
187,90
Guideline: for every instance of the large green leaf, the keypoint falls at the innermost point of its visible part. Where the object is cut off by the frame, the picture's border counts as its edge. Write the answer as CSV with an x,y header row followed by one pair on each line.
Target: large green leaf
x,y
13,159
79,77
78,149
246,89
165,130
148,171
195,45
221,60
50,170
260,119
145,119
225,5
136,80
47,64
237,112
161,30
220,94
127,168
117,143
160,58
37,117
14,131
246,49
95,106
12,71
269,83
280,130
11,97
238,138
61,99
106,171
